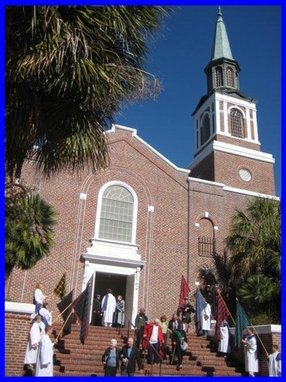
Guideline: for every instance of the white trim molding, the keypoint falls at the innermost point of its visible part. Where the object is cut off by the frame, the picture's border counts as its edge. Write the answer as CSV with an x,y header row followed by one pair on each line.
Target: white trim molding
x,y
250,193
243,151
99,204
134,134
260,329
233,189
19,307
234,150
209,182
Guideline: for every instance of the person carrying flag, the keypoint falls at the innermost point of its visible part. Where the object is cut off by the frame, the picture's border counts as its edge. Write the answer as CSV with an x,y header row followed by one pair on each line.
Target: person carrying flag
x,y
250,353
224,343
274,362
200,306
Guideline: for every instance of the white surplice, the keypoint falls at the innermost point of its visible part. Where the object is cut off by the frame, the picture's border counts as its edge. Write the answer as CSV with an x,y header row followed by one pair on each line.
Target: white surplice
x,y
274,365
110,308
32,345
45,363
206,318
250,355
223,346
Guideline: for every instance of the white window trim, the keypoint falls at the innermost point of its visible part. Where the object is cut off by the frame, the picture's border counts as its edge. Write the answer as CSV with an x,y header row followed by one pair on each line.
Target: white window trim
x,y
212,132
236,108
99,205
229,124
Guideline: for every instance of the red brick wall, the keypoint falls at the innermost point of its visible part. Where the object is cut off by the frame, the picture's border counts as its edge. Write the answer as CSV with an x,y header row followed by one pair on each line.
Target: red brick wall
x,y
268,341
224,168
265,341
17,328
228,165
204,169
237,142
167,238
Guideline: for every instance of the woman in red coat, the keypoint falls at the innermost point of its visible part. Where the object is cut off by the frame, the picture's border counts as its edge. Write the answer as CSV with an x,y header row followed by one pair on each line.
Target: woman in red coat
x,y
152,340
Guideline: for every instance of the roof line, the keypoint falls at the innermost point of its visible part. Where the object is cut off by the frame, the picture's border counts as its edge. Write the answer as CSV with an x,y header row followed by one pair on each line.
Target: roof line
x,y
134,134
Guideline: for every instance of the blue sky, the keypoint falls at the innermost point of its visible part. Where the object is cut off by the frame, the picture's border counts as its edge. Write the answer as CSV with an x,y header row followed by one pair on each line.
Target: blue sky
x,y
178,55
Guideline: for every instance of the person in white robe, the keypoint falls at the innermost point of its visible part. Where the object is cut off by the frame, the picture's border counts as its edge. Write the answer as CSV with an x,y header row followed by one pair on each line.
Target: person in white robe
x,y
45,314
250,353
108,305
45,361
39,297
33,343
206,319
224,343
274,362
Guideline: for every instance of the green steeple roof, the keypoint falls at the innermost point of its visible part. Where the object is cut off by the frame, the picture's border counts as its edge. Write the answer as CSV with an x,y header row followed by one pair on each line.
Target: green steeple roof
x,y
221,47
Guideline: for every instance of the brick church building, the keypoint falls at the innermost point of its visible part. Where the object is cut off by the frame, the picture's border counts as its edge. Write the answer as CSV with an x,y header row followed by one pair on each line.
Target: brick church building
x,y
142,223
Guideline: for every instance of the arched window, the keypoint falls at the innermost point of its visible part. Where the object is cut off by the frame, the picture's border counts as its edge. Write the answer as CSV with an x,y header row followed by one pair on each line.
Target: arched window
x,y
218,77
230,77
205,129
236,123
116,217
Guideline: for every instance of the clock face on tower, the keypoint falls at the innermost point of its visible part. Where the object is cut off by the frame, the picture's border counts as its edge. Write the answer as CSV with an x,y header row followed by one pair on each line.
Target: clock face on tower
x,y
245,174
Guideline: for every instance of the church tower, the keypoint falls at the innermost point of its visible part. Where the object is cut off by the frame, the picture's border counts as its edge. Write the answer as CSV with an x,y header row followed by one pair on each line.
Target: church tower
x,y
227,143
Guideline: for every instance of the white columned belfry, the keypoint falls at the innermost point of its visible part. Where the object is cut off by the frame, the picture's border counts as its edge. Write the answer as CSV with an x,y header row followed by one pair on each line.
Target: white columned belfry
x,y
235,137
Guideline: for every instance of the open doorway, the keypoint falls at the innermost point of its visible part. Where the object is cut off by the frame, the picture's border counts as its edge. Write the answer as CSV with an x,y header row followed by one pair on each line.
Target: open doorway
x,y
125,285
104,281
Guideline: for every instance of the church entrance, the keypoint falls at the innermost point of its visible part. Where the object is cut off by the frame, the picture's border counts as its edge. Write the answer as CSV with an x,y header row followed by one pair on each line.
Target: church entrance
x,y
116,267
106,281
120,284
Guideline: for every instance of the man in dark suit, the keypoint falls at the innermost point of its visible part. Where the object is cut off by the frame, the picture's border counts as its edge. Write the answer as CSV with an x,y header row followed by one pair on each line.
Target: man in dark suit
x,y
175,323
175,326
130,354
140,322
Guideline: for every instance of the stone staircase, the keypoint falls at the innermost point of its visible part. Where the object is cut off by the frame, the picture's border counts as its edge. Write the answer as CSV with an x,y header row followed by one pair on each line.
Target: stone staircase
x,y
74,359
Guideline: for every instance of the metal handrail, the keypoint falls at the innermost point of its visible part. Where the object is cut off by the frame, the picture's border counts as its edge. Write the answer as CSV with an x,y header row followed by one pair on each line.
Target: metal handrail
x,y
129,324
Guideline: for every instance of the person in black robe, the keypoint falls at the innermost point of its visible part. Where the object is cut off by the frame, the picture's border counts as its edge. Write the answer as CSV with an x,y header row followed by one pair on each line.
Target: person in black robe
x,y
96,311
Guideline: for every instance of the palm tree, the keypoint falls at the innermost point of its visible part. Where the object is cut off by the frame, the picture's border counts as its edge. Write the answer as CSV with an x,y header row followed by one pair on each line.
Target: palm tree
x,y
261,295
69,69
28,229
254,243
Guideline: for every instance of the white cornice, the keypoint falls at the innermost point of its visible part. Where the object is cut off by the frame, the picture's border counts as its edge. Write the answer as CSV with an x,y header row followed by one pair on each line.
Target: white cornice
x,y
209,182
233,189
107,260
134,134
19,307
250,104
250,193
121,127
218,96
234,150
263,329
243,151
259,329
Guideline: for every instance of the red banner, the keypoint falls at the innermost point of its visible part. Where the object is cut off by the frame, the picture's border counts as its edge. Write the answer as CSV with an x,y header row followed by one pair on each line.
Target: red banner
x,y
184,292
221,315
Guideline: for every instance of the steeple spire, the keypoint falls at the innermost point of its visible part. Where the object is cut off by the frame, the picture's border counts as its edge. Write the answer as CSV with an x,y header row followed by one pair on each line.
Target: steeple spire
x,y
222,70
221,47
